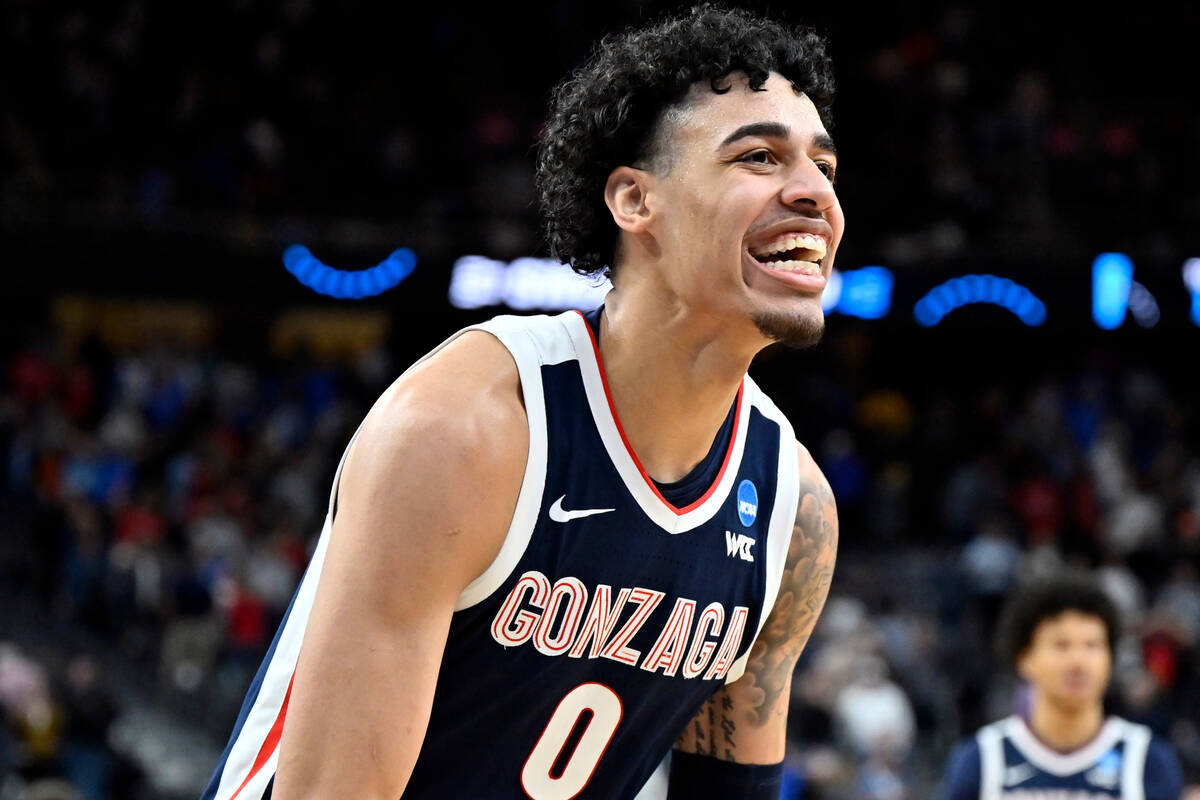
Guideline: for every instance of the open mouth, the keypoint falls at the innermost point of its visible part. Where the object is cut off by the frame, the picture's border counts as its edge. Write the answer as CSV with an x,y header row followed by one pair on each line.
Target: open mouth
x,y
792,252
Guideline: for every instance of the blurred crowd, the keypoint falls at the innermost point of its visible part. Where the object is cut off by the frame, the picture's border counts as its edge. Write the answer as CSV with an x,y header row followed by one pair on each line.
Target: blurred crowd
x,y
163,501
215,118
160,504
953,489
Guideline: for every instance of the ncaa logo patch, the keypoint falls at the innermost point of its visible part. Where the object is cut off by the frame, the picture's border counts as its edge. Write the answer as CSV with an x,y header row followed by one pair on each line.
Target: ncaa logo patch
x,y
747,503
1107,772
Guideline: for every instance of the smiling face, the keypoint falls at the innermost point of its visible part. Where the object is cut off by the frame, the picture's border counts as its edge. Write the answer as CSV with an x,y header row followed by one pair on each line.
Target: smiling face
x,y
1068,660
744,211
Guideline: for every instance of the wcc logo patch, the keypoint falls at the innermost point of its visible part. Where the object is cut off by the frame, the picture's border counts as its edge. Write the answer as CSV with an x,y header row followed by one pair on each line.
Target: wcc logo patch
x,y
747,503
738,545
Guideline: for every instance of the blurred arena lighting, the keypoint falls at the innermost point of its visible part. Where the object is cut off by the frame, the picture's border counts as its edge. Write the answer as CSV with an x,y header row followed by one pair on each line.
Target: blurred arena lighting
x,y
348,284
864,293
957,292
526,283
1142,305
1112,280
1191,279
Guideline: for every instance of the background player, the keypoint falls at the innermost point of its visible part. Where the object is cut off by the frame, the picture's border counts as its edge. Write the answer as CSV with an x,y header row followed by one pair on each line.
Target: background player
x,y
519,472
1060,635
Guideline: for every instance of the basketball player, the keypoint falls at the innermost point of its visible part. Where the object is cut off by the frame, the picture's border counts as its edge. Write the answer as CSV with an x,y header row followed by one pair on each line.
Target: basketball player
x,y
558,546
1061,635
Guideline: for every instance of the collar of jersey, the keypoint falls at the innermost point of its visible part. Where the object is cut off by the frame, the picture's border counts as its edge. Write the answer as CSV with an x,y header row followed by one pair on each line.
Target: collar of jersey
x,y
1062,764
633,474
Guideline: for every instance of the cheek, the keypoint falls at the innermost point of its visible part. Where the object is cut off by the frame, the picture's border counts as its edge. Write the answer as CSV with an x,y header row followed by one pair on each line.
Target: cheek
x,y
837,219
692,223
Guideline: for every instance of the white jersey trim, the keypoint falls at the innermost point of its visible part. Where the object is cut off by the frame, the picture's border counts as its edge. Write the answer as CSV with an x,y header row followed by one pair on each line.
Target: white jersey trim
x,y
659,512
783,512
1062,764
277,681
266,709
658,784
991,761
1133,763
521,336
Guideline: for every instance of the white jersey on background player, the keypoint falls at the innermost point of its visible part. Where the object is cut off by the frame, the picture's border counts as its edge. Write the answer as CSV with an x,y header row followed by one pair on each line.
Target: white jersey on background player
x,y
1006,760
1060,634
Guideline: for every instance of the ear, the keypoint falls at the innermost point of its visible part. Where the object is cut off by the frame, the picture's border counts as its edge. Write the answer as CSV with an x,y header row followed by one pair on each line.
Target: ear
x,y
626,193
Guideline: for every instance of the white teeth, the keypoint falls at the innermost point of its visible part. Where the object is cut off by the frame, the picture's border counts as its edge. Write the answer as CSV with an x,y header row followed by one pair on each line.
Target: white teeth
x,y
807,267
806,241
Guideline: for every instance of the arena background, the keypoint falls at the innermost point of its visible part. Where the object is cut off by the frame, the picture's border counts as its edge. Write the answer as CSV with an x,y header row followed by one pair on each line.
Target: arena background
x,y
173,400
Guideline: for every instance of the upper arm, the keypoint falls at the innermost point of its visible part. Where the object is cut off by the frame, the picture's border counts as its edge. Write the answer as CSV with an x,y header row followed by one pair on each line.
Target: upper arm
x,y
746,720
425,498
961,781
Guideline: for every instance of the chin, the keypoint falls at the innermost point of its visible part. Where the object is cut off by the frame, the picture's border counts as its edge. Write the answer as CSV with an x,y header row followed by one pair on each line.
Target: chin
x,y
1078,701
797,329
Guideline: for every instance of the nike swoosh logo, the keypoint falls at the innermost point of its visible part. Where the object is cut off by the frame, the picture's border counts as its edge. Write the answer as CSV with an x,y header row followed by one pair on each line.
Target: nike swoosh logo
x,y
559,514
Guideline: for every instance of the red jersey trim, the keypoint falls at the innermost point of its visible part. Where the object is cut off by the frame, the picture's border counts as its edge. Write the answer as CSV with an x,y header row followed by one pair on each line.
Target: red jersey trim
x,y
612,411
270,743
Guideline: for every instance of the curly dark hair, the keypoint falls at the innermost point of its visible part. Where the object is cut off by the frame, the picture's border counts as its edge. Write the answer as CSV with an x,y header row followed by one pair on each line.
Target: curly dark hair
x,y
606,114
1045,599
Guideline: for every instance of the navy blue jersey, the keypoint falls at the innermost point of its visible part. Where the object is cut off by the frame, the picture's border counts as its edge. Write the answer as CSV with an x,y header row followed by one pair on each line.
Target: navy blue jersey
x,y
609,615
1005,761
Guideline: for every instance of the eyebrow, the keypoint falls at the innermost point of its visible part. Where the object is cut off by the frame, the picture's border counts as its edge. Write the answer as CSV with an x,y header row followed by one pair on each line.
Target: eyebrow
x,y
823,141
772,130
776,130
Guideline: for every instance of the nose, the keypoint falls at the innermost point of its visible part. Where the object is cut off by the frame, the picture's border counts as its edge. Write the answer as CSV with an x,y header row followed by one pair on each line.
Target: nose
x,y
808,188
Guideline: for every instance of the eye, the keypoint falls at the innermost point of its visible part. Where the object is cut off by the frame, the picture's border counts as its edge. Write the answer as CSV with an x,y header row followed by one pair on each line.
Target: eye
x,y
828,170
759,156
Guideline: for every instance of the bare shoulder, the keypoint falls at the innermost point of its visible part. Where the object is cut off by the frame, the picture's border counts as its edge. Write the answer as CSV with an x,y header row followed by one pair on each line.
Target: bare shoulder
x,y
807,576
441,455
816,525
803,588
425,499
468,393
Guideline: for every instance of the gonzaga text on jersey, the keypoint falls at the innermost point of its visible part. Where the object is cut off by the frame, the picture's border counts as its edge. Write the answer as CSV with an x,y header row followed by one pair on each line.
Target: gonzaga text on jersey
x,y
534,605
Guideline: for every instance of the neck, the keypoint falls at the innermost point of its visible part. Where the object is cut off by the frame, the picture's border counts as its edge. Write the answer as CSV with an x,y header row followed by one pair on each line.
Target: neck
x,y
673,375
1065,728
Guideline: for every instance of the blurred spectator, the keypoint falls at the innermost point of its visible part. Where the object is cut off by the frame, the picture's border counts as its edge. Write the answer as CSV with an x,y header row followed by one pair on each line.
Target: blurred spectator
x,y
874,714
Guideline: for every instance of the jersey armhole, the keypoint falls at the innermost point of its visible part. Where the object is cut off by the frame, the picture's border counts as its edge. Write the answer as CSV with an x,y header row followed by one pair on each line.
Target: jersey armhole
x,y
783,515
991,761
525,354
1133,768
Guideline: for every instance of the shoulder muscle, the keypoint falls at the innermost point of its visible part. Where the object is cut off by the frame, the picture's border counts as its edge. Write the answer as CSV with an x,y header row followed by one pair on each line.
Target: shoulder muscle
x,y
425,498
808,571
437,466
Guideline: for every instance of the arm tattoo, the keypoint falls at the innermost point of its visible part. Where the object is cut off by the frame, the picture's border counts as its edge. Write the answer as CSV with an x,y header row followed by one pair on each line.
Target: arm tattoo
x,y
807,575
761,694
712,731
728,727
